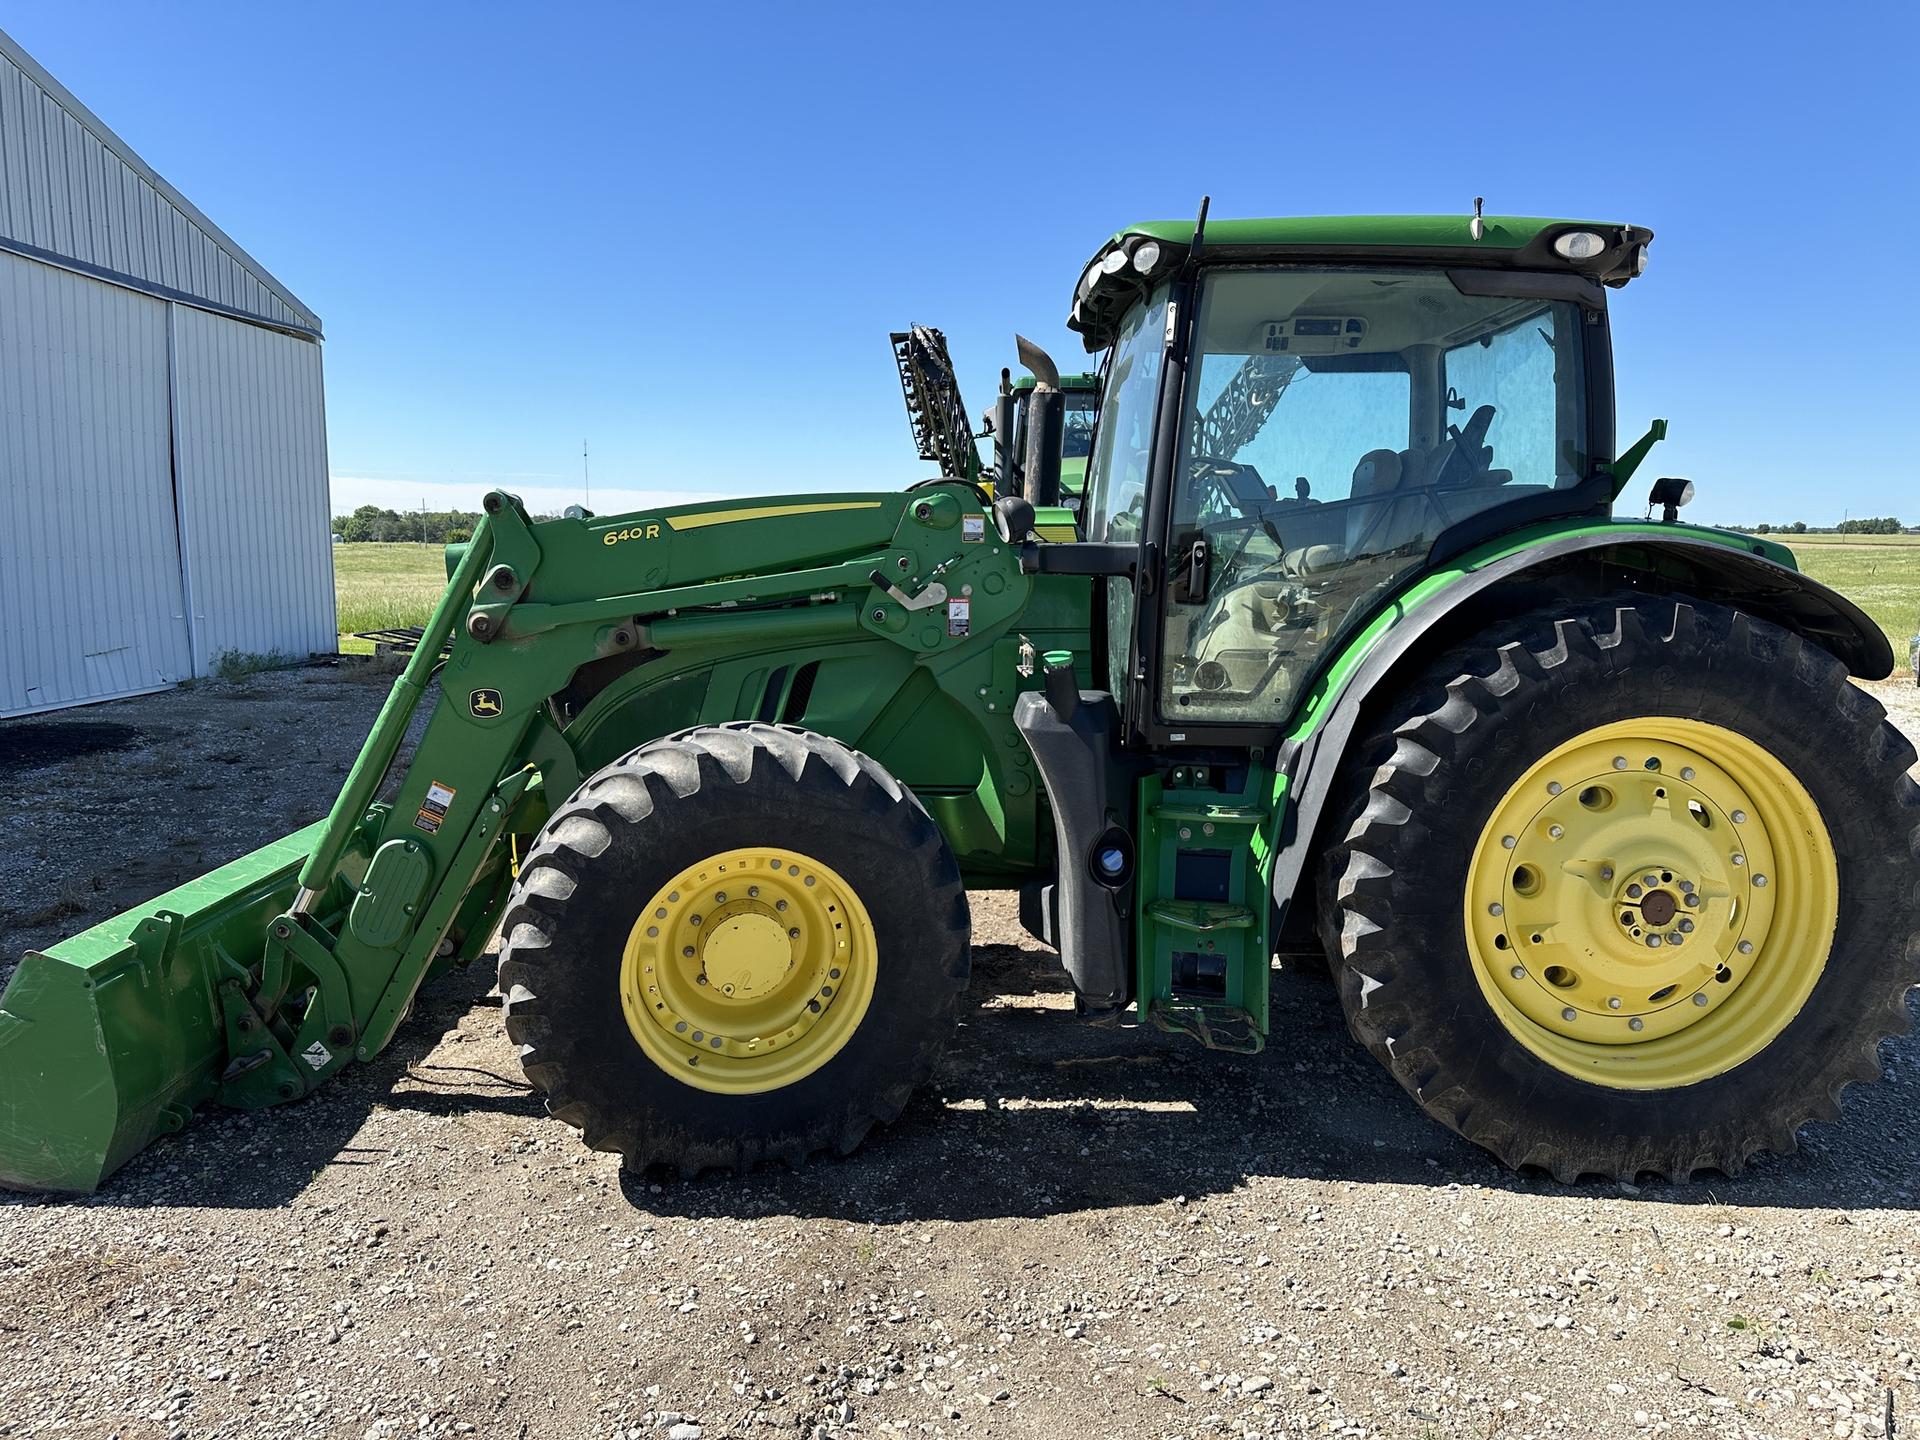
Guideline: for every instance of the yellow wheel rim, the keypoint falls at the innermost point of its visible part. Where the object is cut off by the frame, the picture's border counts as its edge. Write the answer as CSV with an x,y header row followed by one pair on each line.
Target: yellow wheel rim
x,y
1652,903
748,970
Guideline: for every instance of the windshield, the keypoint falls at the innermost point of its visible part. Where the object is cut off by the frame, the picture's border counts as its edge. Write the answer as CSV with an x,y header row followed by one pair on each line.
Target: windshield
x,y
1337,421
1076,439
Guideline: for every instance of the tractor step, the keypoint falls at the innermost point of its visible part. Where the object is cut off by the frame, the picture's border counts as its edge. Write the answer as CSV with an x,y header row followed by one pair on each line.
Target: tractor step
x,y
1203,921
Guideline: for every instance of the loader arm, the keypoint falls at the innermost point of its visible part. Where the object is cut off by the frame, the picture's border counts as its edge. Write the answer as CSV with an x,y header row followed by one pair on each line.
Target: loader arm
x,y
255,984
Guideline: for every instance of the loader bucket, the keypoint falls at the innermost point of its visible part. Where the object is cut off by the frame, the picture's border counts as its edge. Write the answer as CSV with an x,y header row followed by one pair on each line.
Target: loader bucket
x,y
112,1038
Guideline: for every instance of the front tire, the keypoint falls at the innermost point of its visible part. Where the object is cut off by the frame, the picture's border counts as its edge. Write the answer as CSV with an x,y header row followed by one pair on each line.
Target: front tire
x,y
1628,889
741,942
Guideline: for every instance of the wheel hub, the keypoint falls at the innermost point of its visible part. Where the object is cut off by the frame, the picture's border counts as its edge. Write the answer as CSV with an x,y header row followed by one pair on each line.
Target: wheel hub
x,y
746,955
1626,889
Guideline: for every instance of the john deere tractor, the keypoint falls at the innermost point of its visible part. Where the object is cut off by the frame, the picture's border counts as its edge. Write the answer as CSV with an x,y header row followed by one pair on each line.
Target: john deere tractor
x,y
1613,866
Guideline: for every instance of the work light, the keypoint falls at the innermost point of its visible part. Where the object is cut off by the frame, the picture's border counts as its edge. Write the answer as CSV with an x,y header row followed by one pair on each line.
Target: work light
x,y
1579,245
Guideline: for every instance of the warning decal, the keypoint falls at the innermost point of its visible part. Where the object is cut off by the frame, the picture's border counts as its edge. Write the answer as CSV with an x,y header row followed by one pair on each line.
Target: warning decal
x,y
959,617
433,809
973,529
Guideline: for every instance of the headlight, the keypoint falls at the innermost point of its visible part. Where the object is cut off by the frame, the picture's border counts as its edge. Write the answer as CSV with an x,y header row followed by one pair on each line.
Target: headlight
x,y
1639,260
1087,277
1114,261
1579,245
1146,255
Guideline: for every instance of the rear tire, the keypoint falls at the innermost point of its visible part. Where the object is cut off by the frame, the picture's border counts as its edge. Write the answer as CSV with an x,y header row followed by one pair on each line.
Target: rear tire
x,y
721,814
1408,913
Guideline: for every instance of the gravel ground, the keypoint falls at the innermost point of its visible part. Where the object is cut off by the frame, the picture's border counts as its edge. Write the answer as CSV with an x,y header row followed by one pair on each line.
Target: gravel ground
x,y
1073,1231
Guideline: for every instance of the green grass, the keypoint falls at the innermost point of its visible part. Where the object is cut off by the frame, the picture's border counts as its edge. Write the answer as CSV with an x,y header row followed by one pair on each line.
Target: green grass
x,y
387,585
381,586
1879,573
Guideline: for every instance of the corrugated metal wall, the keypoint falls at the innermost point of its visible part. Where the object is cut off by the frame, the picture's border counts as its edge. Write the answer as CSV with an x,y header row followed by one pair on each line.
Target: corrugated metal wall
x,y
69,187
90,596
250,444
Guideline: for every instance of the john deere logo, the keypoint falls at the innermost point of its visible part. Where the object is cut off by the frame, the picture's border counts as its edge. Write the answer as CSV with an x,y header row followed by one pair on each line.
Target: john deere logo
x,y
484,703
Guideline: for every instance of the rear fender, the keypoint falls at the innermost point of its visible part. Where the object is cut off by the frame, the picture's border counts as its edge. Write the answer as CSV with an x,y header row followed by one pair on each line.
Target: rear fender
x,y
1579,563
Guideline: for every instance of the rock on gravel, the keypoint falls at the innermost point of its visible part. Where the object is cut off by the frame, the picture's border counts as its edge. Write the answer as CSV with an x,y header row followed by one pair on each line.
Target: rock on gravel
x,y
1072,1232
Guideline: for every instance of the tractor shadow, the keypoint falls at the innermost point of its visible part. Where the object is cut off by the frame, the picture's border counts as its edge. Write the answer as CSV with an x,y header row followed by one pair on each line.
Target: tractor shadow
x,y
1030,1113
1033,1112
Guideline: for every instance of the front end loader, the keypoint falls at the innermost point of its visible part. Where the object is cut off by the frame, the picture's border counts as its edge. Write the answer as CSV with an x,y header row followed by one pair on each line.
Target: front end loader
x,y
1613,866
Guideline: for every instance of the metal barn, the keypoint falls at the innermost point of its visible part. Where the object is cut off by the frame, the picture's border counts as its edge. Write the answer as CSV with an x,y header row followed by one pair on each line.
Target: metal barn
x,y
163,449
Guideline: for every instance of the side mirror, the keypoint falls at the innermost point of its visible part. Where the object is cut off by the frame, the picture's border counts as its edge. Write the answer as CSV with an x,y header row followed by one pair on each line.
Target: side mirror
x,y
1013,519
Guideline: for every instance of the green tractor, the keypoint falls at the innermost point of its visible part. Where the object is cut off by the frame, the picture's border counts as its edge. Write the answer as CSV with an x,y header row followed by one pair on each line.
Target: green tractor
x,y
1614,868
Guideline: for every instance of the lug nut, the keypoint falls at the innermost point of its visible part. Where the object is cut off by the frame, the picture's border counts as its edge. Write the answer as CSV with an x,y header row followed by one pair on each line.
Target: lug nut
x,y
1613,1002
1650,880
1569,1013
1555,831
1653,942
1496,908
1606,872
1700,999
793,934
1746,947
1760,880
1739,817
1686,772
1633,892
1686,924
1519,972
1636,1023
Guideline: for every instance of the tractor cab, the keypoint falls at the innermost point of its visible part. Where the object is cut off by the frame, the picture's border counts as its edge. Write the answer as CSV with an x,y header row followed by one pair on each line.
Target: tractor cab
x,y
1299,415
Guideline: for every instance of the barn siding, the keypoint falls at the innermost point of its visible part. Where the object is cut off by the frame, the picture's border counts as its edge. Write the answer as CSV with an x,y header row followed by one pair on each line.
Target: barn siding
x,y
250,445
90,591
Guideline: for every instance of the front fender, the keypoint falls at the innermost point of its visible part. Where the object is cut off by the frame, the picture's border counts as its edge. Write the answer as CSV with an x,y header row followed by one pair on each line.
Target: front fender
x,y
1650,556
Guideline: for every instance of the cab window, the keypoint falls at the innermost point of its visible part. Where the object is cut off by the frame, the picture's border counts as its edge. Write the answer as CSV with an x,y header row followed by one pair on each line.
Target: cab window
x,y
1339,421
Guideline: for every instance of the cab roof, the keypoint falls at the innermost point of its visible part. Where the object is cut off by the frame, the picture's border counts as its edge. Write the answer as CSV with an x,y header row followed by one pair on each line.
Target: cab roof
x,y
1507,242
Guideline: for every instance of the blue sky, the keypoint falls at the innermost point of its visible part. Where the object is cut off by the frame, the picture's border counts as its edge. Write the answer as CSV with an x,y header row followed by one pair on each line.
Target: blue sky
x,y
683,234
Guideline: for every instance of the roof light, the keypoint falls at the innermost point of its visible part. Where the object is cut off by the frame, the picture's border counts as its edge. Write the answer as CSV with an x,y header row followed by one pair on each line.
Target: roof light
x,y
1146,255
1639,260
1087,277
1579,245
1114,261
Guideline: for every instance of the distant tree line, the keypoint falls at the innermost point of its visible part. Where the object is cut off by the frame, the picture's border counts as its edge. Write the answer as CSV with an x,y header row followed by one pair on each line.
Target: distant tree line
x,y
1871,525
424,527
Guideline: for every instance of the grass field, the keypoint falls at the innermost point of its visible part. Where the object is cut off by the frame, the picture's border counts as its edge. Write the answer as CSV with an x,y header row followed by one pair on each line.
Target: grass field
x,y
380,586
384,585
1879,573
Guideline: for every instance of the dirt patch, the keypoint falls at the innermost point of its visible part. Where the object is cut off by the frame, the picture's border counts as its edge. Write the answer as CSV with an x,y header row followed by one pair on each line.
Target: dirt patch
x,y
36,744
1072,1230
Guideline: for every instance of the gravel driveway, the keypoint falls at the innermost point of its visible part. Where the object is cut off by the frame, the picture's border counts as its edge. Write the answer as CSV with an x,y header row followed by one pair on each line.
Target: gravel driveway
x,y
1073,1232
